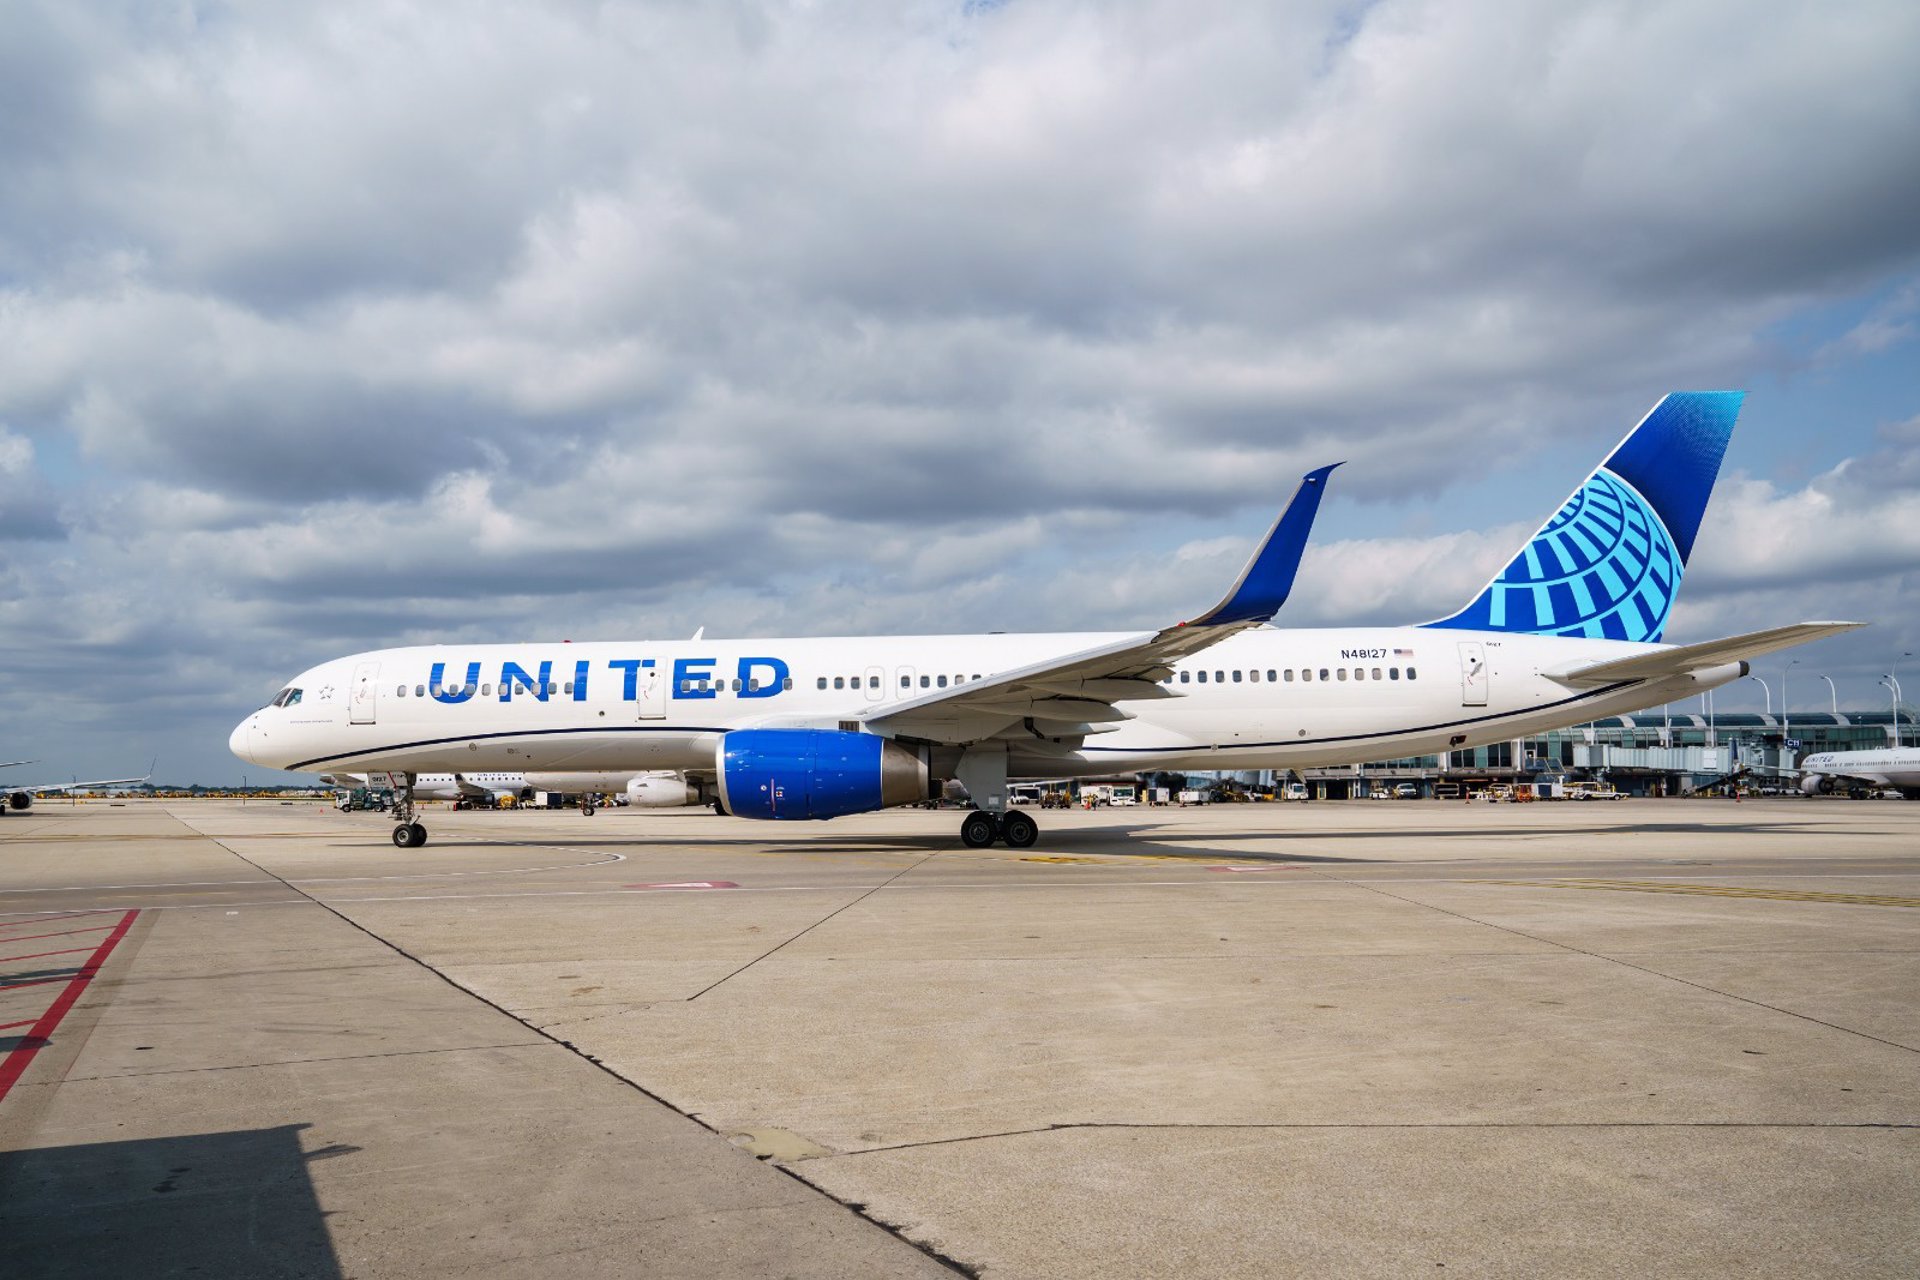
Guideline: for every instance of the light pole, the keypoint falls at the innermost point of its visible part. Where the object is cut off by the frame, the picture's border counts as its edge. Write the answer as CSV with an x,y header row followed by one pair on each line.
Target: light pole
x,y
1892,686
1836,698
1786,708
1769,693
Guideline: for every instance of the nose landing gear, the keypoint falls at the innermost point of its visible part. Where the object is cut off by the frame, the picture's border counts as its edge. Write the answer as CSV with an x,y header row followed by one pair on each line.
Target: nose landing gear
x,y
407,833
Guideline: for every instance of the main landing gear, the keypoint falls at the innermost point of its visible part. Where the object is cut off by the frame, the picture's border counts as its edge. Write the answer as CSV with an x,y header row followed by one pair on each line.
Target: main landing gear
x,y
407,834
979,829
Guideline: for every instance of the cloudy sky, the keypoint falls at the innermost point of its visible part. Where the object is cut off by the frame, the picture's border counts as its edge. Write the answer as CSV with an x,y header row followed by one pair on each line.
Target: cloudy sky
x,y
329,327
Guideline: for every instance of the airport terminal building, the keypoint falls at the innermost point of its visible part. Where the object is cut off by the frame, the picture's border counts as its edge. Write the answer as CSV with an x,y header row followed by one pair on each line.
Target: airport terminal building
x,y
1657,752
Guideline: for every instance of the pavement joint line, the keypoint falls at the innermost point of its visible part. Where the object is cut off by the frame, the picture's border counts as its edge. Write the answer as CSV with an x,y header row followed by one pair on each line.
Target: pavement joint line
x,y
857,1210
1070,1126
1719,891
1627,964
14,1064
301,1062
815,925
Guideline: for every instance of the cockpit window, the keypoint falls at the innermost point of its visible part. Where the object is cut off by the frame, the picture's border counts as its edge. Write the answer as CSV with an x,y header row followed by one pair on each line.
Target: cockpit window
x,y
293,697
285,698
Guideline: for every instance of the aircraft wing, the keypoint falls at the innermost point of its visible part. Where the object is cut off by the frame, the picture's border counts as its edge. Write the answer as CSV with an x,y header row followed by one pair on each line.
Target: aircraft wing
x,y
78,786
12,763
1075,695
1676,660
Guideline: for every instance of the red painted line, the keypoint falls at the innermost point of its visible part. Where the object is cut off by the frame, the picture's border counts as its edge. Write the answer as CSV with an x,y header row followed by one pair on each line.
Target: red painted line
x,y
29,937
14,1065
42,954
686,884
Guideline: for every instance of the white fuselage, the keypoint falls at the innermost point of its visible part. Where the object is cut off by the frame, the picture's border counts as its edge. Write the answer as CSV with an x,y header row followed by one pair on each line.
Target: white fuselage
x,y
1884,767
1266,698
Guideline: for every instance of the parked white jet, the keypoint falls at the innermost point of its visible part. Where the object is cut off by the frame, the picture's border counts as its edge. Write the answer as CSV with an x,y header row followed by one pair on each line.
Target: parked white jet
x,y
1829,771
817,728
17,798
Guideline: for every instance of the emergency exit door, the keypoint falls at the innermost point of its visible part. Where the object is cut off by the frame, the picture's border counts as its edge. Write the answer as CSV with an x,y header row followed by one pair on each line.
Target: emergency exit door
x,y
1473,674
365,694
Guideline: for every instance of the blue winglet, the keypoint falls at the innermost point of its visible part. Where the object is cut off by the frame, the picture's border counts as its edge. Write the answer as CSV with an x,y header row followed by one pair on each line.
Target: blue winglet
x,y
1267,580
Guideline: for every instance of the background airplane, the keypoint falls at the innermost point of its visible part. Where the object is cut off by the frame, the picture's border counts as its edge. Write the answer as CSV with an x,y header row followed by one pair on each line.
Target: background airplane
x,y
816,728
18,799
1825,772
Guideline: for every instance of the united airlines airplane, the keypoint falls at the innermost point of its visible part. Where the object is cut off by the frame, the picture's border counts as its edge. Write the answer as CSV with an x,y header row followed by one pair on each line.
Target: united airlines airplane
x,y
1860,771
818,728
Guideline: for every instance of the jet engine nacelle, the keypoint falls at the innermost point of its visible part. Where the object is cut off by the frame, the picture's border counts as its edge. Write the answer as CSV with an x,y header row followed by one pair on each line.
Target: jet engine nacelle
x,y
662,791
817,773
19,800
1815,784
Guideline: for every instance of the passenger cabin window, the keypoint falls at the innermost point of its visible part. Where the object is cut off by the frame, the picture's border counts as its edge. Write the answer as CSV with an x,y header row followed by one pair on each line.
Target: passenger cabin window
x,y
1342,672
839,682
1376,673
1289,675
1219,677
1393,673
1323,673
1202,676
942,682
1236,677
1186,677
1271,675
787,682
486,690
926,682
400,692
1306,673
823,682
1410,673
906,682
569,688
1254,676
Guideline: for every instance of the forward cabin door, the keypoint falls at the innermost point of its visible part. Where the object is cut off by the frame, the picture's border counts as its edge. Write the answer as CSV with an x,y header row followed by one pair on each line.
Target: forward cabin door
x,y
364,694
653,692
1473,674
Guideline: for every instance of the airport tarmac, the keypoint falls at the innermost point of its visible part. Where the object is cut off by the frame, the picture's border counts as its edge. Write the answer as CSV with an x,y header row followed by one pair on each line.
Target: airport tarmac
x,y
1361,1038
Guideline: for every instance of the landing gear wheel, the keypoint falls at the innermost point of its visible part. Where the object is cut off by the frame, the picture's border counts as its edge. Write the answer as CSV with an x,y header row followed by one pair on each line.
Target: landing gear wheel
x,y
977,830
1019,830
409,835
586,811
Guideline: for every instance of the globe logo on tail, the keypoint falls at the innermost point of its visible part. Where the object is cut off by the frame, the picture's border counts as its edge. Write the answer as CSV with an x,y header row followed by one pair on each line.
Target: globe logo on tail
x,y
1603,567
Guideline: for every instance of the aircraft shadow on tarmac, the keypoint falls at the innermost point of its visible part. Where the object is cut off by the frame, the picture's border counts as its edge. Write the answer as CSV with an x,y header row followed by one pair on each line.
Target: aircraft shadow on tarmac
x,y
239,1203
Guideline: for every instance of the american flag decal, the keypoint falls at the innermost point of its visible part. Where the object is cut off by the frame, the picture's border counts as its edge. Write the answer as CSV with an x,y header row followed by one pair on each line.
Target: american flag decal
x,y
1403,653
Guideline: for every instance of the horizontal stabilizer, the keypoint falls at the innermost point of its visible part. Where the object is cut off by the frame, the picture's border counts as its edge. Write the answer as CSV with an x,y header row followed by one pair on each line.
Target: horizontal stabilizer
x,y
1679,659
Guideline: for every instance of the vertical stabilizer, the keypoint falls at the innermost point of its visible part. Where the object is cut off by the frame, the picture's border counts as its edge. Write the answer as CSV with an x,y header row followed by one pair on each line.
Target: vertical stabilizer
x,y
1608,563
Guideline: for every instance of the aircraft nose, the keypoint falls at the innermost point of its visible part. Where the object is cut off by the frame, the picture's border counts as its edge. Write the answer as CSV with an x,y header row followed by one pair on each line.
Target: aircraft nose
x,y
240,741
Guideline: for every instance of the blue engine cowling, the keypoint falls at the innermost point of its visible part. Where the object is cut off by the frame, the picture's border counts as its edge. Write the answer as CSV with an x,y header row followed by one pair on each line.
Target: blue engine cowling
x,y
816,773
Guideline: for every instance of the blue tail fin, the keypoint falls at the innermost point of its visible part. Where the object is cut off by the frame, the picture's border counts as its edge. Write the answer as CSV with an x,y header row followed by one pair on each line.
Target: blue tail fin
x,y
1608,563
